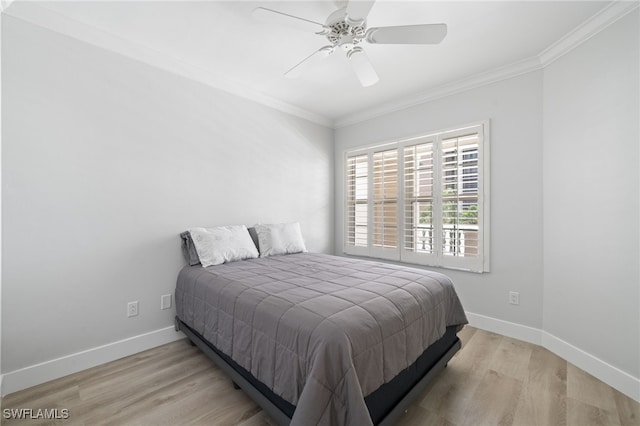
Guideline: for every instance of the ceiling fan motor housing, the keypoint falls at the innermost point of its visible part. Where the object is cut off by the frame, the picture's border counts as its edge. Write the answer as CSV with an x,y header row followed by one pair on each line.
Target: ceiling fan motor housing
x,y
343,34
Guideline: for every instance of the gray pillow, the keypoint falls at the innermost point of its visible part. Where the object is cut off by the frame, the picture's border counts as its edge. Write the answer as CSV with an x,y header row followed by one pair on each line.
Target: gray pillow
x,y
254,237
189,249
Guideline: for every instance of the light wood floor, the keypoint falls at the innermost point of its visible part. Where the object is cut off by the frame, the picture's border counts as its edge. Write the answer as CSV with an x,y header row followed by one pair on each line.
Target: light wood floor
x,y
493,380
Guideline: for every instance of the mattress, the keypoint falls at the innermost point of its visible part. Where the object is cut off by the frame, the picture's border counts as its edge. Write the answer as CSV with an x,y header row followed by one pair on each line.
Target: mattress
x,y
321,332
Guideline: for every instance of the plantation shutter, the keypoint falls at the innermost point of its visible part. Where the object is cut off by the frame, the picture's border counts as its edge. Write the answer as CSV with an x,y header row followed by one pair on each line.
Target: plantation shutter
x,y
357,201
385,204
460,196
419,230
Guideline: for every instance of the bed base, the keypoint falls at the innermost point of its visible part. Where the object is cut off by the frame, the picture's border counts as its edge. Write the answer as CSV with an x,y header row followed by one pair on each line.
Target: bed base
x,y
239,382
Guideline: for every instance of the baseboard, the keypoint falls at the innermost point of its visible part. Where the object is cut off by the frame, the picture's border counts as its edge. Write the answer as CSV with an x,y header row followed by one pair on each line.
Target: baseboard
x,y
63,366
614,377
506,328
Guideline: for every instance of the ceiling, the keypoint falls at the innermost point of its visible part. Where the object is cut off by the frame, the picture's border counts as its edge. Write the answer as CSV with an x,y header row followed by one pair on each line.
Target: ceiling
x,y
222,40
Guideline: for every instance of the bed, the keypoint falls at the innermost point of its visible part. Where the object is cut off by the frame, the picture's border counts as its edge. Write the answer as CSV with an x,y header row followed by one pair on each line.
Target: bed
x,y
321,339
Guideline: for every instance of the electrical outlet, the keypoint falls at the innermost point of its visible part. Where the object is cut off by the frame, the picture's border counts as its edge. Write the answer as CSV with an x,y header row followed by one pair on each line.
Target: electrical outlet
x,y
132,309
165,301
514,298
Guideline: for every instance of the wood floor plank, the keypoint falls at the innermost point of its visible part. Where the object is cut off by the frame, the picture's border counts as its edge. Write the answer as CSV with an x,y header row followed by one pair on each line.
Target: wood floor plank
x,y
173,362
135,363
466,334
419,416
512,358
451,393
119,405
583,387
56,397
258,419
215,405
540,408
582,414
233,408
494,401
547,372
543,399
628,409
479,350
493,380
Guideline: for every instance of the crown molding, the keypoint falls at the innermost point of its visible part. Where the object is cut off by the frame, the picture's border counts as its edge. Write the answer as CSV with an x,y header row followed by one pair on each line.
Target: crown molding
x,y
583,32
601,20
462,85
40,15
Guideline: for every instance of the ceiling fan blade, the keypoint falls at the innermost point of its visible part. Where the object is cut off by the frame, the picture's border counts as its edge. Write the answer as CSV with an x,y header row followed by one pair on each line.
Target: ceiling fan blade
x,y
280,18
362,66
408,34
309,62
357,11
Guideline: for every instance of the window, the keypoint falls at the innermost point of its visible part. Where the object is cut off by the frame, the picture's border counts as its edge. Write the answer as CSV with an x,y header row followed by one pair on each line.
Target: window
x,y
422,200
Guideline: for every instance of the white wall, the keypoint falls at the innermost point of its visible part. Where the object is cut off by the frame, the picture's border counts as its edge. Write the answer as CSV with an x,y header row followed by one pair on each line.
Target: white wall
x,y
104,161
591,186
515,109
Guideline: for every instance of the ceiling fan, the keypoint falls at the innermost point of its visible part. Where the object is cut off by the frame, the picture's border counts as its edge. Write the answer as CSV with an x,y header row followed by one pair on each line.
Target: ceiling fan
x,y
346,28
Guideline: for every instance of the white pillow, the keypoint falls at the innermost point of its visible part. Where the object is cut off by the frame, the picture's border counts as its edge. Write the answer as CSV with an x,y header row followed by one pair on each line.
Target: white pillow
x,y
281,238
223,244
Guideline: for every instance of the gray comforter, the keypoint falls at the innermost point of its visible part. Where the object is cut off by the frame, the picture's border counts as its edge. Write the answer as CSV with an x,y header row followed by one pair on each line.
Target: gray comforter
x,y
321,331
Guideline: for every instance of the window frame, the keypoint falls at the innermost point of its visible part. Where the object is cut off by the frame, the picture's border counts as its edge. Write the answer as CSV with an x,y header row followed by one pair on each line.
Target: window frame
x,y
479,264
